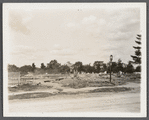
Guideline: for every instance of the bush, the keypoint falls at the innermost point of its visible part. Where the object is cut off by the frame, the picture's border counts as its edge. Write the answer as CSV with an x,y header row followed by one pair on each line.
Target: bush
x,y
138,69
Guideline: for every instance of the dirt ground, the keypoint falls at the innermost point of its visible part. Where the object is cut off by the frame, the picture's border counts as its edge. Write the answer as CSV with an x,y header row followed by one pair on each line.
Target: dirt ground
x,y
60,96
85,102
59,83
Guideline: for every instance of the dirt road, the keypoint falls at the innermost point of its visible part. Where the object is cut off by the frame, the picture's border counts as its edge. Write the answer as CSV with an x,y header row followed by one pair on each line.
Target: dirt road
x,y
88,102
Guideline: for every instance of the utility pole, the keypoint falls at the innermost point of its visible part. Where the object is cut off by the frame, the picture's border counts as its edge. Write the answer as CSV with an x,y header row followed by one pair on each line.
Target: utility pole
x,y
111,58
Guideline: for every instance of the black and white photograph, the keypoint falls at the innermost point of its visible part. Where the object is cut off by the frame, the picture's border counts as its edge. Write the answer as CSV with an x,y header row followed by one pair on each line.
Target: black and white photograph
x,y
74,60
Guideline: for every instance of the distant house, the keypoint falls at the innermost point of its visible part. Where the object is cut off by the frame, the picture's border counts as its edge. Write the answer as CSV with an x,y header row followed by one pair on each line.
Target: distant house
x,y
70,65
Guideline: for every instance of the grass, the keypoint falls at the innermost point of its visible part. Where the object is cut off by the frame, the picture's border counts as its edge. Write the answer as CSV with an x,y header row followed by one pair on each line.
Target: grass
x,y
133,78
116,89
46,94
82,81
30,95
99,81
85,80
75,83
27,87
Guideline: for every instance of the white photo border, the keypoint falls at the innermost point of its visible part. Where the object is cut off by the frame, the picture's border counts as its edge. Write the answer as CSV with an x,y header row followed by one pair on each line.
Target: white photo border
x,y
28,6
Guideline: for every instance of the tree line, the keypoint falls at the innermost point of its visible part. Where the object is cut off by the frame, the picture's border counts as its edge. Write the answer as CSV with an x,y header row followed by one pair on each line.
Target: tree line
x,y
54,67
98,66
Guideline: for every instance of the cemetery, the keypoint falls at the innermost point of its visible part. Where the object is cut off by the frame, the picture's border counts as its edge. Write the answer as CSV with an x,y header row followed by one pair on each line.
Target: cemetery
x,y
55,84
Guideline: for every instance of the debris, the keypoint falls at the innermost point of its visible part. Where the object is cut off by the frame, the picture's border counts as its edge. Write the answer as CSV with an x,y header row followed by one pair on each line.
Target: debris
x,y
39,83
59,79
47,81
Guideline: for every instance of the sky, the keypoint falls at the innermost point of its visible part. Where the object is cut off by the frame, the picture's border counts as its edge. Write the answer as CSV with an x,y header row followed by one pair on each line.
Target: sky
x,y
85,34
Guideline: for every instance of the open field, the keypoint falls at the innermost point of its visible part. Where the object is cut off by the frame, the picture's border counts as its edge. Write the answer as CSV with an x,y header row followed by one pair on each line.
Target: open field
x,y
62,84
68,81
87,92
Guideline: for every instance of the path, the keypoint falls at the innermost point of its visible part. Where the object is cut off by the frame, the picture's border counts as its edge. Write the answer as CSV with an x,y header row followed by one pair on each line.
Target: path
x,y
93,102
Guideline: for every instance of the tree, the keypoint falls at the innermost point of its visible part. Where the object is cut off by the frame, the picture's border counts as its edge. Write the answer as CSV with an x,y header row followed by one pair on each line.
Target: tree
x,y
33,67
53,64
119,65
87,68
64,69
104,67
78,66
138,69
129,68
137,57
124,67
42,66
12,68
25,69
96,66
